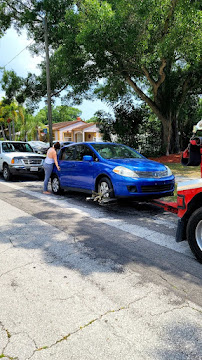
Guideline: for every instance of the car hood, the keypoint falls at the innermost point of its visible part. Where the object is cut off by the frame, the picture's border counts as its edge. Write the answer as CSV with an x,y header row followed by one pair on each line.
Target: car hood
x,y
23,154
138,164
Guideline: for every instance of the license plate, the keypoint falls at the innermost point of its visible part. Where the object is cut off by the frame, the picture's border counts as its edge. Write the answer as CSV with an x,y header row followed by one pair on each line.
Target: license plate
x,y
34,169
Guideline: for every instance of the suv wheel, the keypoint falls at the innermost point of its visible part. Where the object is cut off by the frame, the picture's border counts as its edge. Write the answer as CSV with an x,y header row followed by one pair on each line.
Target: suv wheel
x,y
6,172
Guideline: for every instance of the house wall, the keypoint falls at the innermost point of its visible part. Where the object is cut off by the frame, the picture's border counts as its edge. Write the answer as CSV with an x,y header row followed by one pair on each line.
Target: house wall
x,y
70,133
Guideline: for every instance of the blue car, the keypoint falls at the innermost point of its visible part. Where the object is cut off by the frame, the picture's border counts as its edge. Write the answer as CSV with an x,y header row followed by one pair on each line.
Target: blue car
x,y
115,170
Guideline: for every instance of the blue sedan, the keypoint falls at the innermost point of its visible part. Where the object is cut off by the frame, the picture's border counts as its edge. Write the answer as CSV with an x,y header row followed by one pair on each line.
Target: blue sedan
x,y
115,170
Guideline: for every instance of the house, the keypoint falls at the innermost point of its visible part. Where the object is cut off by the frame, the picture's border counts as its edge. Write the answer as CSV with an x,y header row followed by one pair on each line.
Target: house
x,y
77,131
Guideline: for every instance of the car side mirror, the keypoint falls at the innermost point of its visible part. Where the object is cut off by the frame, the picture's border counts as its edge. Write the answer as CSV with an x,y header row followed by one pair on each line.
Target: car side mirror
x,y
87,158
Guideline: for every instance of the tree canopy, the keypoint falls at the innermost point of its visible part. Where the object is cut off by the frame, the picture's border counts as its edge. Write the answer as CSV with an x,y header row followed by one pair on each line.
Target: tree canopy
x,y
115,49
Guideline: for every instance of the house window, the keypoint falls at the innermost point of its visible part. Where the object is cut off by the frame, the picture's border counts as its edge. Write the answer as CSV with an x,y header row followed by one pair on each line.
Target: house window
x,y
67,138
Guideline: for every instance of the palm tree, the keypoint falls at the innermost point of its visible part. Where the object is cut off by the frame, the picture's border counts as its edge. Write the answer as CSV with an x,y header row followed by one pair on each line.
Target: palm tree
x,y
3,114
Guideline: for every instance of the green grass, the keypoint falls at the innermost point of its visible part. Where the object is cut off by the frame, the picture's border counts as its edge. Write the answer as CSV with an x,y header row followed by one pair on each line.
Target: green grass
x,y
185,171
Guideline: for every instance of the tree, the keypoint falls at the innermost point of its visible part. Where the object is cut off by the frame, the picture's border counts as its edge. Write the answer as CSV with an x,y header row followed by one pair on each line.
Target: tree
x,y
65,113
124,124
135,127
2,119
11,114
59,114
148,48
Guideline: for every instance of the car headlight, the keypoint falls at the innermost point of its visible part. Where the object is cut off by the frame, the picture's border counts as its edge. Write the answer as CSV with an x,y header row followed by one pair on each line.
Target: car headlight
x,y
121,170
17,161
169,171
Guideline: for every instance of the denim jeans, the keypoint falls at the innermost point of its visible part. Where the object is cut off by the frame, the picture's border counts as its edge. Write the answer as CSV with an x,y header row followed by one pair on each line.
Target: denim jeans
x,y
48,170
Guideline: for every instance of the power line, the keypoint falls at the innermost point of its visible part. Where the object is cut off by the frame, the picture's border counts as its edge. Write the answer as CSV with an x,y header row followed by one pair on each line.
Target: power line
x,y
18,54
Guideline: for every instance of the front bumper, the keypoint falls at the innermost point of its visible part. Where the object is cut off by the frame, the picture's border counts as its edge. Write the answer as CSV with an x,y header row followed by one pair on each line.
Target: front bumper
x,y
144,188
25,170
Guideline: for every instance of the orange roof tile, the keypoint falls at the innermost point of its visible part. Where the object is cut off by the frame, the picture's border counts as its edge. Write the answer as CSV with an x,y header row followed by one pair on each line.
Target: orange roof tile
x,y
81,127
60,125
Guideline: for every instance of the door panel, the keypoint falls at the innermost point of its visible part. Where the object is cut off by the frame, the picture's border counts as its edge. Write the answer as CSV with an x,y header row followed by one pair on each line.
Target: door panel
x,y
83,172
66,163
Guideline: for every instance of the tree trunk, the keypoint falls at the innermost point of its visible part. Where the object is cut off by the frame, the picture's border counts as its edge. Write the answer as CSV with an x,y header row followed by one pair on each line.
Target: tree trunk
x,y
167,132
159,111
13,128
9,129
175,141
3,132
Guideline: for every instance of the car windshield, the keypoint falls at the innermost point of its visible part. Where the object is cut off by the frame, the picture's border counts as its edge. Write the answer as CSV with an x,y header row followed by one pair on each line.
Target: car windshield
x,y
37,143
19,147
116,151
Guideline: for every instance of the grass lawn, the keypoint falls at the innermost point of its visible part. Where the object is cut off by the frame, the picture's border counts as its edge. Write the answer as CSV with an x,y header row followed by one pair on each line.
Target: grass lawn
x,y
173,161
185,171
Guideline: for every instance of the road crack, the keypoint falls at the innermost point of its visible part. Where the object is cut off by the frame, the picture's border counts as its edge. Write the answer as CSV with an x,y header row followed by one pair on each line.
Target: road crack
x,y
17,267
64,338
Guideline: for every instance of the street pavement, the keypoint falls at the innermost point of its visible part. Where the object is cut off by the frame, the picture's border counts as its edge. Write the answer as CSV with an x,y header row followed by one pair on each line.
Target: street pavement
x,y
81,282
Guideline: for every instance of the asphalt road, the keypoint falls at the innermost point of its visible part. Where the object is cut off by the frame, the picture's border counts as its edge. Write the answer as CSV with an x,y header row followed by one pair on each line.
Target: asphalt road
x,y
81,281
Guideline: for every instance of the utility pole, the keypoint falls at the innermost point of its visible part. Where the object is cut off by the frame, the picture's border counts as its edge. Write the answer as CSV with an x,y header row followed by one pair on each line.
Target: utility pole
x,y
48,81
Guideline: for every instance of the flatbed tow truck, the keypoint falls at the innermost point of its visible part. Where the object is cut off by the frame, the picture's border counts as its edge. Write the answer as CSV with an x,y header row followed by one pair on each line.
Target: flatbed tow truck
x,y
188,207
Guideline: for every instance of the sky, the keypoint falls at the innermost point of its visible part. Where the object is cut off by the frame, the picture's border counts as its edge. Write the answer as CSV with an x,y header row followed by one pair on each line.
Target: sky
x,y
15,56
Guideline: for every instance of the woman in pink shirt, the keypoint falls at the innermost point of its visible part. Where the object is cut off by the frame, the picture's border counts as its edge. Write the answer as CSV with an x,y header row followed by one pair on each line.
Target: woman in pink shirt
x,y
50,160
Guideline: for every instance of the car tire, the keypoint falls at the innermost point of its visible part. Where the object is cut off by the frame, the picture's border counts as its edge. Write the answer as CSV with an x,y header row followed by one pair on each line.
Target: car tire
x,y
55,185
194,233
6,173
105,185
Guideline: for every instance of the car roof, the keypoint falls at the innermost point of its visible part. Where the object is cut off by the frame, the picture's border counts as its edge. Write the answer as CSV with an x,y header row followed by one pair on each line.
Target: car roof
x,y
13,141
93,142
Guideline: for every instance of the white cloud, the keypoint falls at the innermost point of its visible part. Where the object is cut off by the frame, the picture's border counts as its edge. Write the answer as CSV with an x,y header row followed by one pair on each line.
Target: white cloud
x,y
15,56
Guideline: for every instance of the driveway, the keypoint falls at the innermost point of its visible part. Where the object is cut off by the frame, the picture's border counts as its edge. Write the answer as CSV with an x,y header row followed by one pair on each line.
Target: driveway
x,y
80,281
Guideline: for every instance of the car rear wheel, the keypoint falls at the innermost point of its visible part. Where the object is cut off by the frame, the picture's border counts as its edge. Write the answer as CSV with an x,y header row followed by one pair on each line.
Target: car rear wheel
x,y
194,233
6,172
105,187
55,185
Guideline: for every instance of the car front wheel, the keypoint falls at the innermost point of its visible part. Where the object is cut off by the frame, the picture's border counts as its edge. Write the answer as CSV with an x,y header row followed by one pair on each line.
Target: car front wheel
x,y
6,172
55,185
105,187
194,233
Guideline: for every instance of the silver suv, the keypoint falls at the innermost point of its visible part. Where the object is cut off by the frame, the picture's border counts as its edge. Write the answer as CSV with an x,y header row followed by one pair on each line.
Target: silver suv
x,y
18,158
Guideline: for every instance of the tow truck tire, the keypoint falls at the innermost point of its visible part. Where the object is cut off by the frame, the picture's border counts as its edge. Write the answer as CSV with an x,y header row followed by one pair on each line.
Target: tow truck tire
x,y
194,233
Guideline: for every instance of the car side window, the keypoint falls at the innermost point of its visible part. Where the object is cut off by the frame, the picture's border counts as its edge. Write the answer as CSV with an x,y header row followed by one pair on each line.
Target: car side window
x,y
82,150
7,147
67,153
